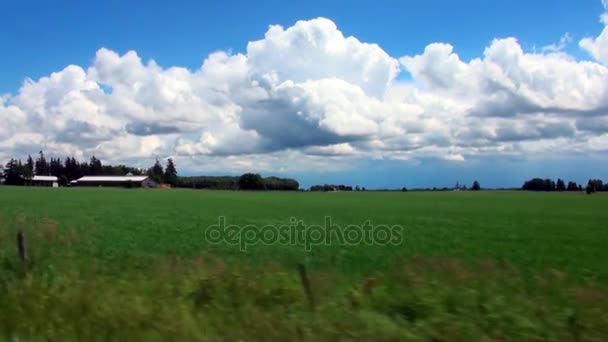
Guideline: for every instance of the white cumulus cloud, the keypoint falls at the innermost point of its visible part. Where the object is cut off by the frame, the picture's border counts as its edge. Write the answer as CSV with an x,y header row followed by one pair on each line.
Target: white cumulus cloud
x,y
598,46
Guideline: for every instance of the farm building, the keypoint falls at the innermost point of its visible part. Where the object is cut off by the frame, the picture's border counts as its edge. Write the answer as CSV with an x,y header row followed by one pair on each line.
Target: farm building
x,y
116,181
45,181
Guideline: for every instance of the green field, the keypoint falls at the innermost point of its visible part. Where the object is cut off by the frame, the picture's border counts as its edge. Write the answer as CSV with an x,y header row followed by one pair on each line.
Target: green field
x,y
113,264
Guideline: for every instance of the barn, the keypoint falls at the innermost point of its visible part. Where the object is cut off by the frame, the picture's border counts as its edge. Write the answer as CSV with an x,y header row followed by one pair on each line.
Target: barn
x,y
45,181
128,181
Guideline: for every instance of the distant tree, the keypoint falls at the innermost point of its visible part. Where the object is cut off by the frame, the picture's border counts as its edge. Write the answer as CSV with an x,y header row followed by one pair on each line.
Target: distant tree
x,y
42,166
561,186
12,173
20,167
599,184
357,188
232,183
572,186
57,169
594,185
284,184
404,189
538,184
332,187
29,168
170,176
72,169
20,170
84,168
290,184
549,184
589,189
476,186
156,172
95,167
210,182
251,181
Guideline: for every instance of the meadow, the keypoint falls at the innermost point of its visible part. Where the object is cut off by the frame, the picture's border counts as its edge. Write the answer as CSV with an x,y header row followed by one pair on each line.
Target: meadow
x,y
118,264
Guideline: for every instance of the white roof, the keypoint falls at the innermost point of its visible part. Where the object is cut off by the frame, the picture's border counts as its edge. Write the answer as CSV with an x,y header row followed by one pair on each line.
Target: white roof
x,y
45,179
112,179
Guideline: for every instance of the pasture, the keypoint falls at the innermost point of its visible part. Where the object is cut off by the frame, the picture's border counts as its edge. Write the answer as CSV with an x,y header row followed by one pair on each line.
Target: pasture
x,y
136,264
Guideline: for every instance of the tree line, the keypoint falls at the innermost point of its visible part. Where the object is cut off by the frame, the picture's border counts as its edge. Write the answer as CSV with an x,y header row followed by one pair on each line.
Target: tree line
x,y
539,184
333,187
17,172
247,181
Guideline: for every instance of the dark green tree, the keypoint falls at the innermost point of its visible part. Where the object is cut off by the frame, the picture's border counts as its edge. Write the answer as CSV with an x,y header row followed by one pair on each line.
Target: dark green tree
x,y
170,176
29,168
538,184
84,168
591,187
72,169
210,182
42,166
560,186
572,186
12,173
549,184
156,172
57,169
599,184
251,181
95,167
280,184
595,185
476,186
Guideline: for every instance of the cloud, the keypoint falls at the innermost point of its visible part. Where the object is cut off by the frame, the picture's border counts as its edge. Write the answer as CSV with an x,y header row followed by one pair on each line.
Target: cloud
x,y
310,96
559,47
454,157
598,47
508,82
315,50
332,150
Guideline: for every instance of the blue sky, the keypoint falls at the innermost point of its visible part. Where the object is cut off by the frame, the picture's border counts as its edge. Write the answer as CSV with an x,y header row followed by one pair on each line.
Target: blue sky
x,y
43,37
185,32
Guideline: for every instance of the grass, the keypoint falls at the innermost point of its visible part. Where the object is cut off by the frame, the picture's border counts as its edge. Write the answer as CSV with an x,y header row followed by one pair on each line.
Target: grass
x,y
133,264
